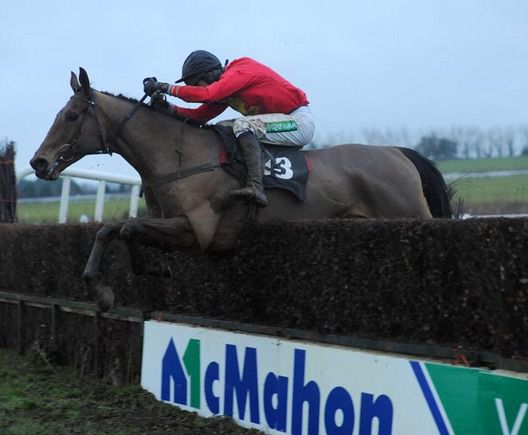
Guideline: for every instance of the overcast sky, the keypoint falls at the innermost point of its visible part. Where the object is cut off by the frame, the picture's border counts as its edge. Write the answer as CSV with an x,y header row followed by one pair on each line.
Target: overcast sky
x,y
416,64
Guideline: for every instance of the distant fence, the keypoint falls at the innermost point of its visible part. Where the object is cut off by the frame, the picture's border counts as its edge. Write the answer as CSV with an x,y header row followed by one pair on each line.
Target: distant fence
x,y
135,182
102,179
488,174
110,344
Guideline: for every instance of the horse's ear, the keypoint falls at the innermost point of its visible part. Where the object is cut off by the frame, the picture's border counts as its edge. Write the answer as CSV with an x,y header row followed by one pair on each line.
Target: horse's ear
x,y
74,83
85,81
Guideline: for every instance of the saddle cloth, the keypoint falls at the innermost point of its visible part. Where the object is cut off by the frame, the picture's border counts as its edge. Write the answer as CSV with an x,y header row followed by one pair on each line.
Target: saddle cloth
x,y
284,167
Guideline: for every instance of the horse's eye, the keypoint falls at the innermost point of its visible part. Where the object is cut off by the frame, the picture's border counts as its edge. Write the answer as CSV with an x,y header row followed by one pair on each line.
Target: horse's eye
x,y
71,116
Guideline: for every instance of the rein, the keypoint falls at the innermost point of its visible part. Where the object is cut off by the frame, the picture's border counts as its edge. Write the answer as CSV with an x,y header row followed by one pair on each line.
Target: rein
x,y
179,174
105,149
128,117
183,173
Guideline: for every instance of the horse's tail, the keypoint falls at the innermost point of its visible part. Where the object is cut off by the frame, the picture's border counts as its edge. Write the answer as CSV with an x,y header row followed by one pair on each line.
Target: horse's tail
x,y
435,189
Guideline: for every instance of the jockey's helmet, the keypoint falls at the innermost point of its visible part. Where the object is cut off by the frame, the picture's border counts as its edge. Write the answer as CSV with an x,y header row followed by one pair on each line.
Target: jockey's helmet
x,y
197,64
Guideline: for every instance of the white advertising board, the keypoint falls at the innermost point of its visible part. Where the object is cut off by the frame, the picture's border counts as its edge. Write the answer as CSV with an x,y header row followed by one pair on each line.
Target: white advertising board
x,y
296,387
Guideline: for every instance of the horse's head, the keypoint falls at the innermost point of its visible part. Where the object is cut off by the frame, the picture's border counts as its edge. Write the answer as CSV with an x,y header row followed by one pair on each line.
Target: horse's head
x,y
76,132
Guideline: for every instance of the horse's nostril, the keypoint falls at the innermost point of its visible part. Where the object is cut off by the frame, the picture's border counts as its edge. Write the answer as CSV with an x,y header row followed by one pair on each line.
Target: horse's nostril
x,y
39,163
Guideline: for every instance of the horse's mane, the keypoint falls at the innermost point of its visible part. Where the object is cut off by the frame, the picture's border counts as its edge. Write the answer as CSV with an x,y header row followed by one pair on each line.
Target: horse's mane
x,y
146,106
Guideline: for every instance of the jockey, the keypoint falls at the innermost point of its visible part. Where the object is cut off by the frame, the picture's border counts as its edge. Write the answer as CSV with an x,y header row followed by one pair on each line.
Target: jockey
x,y
274,110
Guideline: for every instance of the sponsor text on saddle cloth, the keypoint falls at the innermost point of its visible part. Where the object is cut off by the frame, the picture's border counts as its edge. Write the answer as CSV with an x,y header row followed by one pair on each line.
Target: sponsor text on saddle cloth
x,y
284,167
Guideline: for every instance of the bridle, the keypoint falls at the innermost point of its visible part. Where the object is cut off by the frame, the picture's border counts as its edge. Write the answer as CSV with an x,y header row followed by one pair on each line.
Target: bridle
x,y
104,148
90,100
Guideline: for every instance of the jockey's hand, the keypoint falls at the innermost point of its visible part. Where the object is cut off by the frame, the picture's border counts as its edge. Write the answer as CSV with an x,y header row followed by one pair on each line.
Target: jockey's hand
x,y
159,101
151,85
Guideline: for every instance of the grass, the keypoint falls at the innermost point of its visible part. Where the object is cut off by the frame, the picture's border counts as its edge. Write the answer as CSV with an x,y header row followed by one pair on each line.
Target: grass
x,y
33,212
493,195
497,189
37,398
483,165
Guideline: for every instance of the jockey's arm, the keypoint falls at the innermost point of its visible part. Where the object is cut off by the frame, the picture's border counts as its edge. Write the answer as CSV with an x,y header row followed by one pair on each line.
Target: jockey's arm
x,y
228,84
201,114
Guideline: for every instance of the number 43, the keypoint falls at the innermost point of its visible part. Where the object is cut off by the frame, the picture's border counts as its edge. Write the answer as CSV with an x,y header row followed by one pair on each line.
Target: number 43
x,y
281,168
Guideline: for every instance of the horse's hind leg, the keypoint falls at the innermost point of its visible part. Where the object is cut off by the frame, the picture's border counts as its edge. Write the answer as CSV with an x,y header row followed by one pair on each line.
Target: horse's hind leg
x,y
103,294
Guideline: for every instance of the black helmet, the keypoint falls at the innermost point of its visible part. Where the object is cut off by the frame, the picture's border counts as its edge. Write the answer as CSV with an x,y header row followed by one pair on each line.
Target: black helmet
x,y
198,63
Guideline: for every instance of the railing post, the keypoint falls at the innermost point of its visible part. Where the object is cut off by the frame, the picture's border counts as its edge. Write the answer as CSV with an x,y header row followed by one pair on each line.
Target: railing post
x,y
54,312
96,343
102,178
134,201
99,201
19,326
65,199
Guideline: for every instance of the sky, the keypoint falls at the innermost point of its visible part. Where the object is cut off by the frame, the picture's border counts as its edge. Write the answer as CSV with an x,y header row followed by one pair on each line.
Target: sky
x,y
364,64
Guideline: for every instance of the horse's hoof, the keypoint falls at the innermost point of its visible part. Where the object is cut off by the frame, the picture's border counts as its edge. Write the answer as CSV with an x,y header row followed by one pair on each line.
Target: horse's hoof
x,y
105,298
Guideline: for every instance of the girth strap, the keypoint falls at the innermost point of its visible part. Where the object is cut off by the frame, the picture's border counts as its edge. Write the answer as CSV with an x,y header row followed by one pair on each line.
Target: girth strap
x,y
183,173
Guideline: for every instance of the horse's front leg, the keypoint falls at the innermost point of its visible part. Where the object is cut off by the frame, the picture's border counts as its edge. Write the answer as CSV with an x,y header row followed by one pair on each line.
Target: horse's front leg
x,y
103,294
166,234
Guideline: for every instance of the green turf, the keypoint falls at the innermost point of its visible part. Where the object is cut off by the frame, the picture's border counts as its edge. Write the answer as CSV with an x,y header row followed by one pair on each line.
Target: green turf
x,y
115,209
497,189
37,397
483,165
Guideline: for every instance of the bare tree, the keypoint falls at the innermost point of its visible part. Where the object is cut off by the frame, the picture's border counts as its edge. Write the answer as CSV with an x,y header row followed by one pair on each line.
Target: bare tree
x,y
470,140
373,136
523,134
388,136
508,136
495,139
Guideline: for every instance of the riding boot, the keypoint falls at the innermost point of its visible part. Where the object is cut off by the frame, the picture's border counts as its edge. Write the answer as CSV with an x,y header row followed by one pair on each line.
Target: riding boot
x,y
254,190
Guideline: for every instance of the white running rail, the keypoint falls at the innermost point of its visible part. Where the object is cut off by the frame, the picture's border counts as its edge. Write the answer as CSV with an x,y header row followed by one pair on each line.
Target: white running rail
x,y
135,182
102,179
489,174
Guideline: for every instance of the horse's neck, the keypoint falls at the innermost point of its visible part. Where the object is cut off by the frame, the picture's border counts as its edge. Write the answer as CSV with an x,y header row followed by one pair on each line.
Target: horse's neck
x,y
156,144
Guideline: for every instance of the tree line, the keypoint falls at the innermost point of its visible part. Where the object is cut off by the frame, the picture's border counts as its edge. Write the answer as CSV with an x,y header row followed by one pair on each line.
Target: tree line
x,y
442,144
436,144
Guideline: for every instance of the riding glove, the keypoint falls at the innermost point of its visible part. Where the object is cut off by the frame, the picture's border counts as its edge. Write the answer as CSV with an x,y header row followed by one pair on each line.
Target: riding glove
x,y
159,102
151,85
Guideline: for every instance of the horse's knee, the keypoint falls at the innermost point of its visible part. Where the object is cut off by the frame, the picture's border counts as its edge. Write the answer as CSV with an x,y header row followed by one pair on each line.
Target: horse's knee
x,y
105,232
131,229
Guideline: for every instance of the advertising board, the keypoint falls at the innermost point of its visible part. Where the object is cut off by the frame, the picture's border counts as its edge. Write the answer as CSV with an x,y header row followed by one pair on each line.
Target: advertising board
x,y
298,387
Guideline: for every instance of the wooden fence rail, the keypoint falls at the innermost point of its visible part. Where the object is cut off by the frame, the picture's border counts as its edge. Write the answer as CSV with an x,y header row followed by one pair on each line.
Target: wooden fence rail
x,y
136,316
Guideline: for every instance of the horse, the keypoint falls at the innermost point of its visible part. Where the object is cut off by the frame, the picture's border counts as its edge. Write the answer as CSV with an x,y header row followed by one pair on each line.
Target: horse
x,y
187,193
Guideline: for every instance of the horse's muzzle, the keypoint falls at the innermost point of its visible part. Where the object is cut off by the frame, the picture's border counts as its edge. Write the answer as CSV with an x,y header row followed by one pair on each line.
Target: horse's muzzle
x,y
45,170
50,170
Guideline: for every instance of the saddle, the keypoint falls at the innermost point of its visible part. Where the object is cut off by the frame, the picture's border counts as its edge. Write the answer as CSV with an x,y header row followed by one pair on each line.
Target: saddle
x,y
284,167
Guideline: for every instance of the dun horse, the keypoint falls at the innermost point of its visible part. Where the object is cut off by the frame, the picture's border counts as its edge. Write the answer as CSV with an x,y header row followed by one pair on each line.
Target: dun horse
x,y
187,193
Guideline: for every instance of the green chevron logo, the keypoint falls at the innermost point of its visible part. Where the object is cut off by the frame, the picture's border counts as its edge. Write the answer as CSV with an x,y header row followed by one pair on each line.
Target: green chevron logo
x,y
465,401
